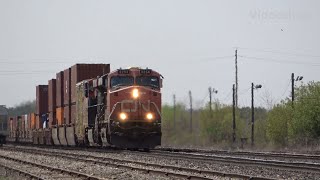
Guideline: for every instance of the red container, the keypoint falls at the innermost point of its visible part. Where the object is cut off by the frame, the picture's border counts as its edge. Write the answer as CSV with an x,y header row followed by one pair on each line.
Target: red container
x,y
33,120
52,119
23,119
67,114
28,126
80,72
67,87
19,119
11,124
59,89
60,116
52,95
73,114
38,122
42,99
15,123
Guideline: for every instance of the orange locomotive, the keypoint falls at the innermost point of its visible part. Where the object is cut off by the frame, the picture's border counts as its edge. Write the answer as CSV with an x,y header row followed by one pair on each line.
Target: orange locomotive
x,y
134,111
121,108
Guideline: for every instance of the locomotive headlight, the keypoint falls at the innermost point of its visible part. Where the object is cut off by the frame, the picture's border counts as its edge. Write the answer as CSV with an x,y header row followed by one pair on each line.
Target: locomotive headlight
x,y
149,116
135,93
123,116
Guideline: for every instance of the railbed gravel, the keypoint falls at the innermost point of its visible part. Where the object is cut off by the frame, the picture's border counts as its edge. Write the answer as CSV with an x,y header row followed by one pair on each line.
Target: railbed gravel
x,y
214,166
97,170
260,157
40,172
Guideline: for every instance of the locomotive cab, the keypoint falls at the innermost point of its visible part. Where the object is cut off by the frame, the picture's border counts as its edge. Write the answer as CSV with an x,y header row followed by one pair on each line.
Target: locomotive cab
x,y
134,111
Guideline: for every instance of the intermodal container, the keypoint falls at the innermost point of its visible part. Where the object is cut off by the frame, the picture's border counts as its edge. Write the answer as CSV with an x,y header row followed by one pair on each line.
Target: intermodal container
x,y
26,122
33,120
52,119
23,122
19,119
59,89
67,87
60,115
11,124
44,121
42,99
80,72
67,114
38,122
14,125
52,95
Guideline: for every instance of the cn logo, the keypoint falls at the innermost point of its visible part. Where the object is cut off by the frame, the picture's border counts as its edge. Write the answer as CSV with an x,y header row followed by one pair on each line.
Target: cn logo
x,y
132,106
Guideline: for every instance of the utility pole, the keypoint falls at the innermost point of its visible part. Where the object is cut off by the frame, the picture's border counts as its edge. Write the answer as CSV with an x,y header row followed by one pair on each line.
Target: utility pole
x,y
252,116
174,111
210,101
233,115
252,111
299,78
292,88
211,90
237,86
190,97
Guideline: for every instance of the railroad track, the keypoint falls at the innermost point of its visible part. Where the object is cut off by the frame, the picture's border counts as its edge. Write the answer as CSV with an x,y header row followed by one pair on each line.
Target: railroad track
x,y
294,166
245,153
44,168
28,175
166,170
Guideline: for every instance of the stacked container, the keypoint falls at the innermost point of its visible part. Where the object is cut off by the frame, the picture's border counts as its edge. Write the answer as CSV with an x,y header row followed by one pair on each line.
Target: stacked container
x,y
60,98
22,129
80,72
42,103
67,95
52,102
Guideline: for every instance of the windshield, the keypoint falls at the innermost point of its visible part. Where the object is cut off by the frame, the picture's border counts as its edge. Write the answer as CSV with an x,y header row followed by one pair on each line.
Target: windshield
x,y
117,81
151,81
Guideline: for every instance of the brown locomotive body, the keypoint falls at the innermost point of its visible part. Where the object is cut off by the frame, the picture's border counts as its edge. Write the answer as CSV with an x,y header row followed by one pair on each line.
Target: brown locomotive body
x,y
121,108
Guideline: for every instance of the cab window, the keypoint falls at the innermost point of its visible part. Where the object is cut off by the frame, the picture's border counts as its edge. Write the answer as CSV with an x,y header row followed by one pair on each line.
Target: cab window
x,y
118,81
151,81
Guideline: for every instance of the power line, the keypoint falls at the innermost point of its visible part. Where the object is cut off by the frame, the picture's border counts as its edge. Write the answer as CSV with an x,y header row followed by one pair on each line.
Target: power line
x,y
281,52
244,91
228,95
280,61
289,82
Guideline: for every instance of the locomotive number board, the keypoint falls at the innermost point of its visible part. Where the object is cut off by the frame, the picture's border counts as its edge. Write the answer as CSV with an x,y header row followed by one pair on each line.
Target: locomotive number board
x,y
145,71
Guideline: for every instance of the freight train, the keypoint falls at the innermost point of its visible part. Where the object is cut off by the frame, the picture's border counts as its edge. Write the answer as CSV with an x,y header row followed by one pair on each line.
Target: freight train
x,y
87,105
3,124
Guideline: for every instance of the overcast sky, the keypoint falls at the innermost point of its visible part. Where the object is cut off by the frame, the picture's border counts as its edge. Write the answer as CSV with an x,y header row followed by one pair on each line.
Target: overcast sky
x,y
190,42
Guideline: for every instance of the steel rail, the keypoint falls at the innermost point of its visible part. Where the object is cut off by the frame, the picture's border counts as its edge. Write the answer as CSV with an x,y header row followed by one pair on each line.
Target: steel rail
x,y
72,173
298,166
249,153
26,174
202,174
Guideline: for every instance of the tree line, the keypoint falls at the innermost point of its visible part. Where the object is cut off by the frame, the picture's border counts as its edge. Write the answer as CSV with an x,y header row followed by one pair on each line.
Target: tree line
x,y
286,124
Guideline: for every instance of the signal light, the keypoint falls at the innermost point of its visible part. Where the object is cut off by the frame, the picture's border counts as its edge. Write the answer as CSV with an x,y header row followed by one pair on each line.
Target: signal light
x,y
135,93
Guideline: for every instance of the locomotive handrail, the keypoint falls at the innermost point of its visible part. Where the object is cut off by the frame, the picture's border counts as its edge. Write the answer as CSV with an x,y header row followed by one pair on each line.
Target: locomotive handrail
x,y
157,109
113,108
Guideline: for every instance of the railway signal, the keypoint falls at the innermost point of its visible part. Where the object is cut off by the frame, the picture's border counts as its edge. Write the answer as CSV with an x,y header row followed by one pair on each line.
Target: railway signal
x,y
211,90
252,110
298,78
